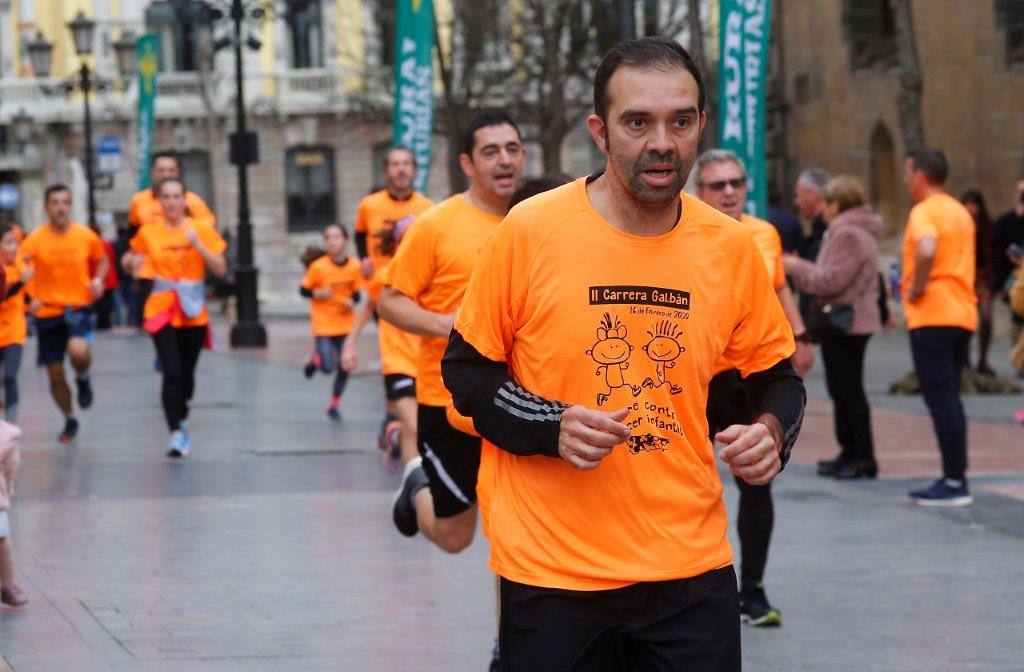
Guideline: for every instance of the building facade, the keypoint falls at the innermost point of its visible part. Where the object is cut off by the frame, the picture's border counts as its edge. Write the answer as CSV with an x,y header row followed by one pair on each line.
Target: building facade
x,y
317,92
837,81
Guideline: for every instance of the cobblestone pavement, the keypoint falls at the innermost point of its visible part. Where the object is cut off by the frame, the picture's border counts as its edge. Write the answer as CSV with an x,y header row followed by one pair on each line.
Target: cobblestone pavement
x,y
271,547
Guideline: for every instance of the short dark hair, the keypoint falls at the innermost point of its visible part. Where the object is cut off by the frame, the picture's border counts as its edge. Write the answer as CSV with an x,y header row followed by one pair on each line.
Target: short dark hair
x,y
160,185
484,119
931,162
532,186
166,154
397,148
341,227
53,189
659,53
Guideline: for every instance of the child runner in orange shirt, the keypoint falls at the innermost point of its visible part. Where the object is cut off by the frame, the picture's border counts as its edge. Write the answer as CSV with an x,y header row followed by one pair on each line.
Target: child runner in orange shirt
x,y
332,282
13,325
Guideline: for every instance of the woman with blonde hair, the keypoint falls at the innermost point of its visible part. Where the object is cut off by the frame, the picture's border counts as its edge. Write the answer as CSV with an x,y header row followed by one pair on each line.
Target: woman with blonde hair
x,y
843,283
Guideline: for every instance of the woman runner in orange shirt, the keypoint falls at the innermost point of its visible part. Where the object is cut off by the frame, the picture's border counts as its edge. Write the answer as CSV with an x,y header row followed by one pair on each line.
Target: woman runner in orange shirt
x,y
180,250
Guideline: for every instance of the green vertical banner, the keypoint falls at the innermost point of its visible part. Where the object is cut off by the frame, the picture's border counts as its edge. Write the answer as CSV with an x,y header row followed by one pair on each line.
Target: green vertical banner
x,y
413,118
147,49
743,51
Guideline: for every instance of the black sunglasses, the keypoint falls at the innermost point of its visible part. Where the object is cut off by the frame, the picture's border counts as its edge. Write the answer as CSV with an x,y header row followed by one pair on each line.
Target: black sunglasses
x,y
719,185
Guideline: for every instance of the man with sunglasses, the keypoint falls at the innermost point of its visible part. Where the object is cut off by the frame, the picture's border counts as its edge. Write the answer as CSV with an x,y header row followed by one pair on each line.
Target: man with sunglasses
x,y
722,183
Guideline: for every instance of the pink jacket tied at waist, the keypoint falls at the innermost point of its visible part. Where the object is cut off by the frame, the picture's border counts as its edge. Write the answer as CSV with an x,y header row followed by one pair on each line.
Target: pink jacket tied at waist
x,y
10,460
846,270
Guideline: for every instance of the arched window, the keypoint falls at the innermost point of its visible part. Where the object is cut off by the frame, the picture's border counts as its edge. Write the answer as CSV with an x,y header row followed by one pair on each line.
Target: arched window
x,y
884,181
310,187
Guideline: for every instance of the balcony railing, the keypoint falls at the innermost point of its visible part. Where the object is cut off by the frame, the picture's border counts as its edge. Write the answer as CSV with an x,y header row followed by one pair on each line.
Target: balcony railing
x,y
180,95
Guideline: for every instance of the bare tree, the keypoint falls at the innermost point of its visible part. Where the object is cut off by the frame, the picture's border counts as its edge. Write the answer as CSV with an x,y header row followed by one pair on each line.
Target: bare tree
x,y
908,103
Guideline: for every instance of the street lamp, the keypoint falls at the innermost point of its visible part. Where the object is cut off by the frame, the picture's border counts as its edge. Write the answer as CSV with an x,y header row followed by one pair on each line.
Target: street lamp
x,y
41,54
247,331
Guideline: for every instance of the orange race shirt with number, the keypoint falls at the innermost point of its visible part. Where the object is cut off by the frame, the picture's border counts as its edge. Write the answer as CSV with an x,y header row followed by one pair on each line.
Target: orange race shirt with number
x,y
13,325
768,241
145,209
432,267
61,261
399,350
584,313
173,257
377,215
333,316
949,299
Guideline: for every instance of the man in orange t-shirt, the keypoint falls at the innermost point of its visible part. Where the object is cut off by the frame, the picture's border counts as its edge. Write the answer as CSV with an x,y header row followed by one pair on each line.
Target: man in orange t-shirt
x,y
722,184
582,351
942,313
62,252
428,277
380,211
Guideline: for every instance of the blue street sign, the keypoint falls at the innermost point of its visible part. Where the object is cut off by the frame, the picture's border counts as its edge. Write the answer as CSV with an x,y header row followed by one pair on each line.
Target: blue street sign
x,y
9,196
108,154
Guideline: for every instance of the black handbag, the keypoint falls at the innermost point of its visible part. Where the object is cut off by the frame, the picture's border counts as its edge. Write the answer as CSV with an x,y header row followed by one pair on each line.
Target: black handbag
x,y
830,318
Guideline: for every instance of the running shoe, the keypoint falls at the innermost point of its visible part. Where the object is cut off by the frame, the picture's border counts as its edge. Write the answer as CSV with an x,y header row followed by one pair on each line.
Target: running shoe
x,y
943,492
84,392
178,445
382,435
69,432
13,597
403,507
333,414
755,609
183,427
309,369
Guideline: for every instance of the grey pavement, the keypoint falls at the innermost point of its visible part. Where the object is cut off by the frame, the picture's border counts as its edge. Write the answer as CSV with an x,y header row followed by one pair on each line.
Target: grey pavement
x,y
271,548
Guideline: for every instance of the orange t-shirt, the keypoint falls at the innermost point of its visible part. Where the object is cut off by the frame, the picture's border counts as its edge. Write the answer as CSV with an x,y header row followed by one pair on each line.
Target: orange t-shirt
x,y
13,325
377,215
769,243
399,350
62,262
145,209
949,299
584,313
172,257
432,267
333,316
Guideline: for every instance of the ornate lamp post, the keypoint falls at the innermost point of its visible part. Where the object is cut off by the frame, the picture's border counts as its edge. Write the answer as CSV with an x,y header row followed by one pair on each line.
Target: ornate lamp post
x,y
82,33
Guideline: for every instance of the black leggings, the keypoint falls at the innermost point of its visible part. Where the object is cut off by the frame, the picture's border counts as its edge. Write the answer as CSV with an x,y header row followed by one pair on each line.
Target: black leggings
x,y
328,348
178,351
755,519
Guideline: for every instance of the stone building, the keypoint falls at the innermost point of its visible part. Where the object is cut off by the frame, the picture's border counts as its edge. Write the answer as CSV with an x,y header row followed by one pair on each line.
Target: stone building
x,y
836,85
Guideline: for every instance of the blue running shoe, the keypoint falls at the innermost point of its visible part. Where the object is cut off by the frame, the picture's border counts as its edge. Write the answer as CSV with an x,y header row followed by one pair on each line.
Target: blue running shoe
x,y
943,492
178,445
333,414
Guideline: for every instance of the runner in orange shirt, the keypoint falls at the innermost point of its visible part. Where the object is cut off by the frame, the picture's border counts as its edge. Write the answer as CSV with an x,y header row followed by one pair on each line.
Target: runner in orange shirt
x,y
180,250
332,283
399,352
582,351
145,208
380,211
942,313
61,253
722,184
13,325
428,278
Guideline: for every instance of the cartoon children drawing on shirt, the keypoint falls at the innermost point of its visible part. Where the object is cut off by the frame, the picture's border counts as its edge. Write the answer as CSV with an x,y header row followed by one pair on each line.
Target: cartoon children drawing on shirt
x,y
663,349
611,352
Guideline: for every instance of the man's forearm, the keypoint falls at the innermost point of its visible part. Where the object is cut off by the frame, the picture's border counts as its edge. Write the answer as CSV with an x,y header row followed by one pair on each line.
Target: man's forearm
x,y
505,414
779,394
407,315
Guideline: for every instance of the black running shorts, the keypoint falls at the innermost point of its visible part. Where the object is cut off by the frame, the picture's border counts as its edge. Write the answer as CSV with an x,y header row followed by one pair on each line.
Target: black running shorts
x,y
451,459
398,386
665,626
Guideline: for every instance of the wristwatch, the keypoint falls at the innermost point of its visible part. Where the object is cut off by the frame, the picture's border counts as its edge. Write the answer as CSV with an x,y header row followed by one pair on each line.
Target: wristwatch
x,y
804,337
